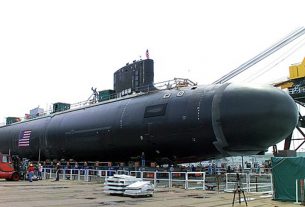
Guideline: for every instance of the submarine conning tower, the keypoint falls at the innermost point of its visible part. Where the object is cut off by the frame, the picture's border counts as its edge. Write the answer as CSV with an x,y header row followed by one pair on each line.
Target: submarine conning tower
x,y
135,77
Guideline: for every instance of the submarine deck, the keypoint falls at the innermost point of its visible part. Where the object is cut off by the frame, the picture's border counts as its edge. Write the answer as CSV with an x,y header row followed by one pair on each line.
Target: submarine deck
x,y
76,193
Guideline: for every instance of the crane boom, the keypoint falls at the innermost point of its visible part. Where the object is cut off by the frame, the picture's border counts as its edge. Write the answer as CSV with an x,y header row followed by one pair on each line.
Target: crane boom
x,y
280,44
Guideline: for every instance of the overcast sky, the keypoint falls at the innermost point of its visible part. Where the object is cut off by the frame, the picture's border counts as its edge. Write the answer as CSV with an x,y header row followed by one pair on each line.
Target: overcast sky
x,y
55,51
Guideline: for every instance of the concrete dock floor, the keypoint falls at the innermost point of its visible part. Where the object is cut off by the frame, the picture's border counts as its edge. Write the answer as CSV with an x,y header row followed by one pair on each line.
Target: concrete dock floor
x,y
74,193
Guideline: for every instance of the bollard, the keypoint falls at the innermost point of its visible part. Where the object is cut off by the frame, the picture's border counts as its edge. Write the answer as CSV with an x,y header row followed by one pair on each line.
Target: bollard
x,y
296,193
256,187
218,183
302,190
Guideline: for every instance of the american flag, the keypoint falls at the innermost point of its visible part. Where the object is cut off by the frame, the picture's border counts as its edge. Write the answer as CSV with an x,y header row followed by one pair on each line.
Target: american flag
x,y
147,54
24,138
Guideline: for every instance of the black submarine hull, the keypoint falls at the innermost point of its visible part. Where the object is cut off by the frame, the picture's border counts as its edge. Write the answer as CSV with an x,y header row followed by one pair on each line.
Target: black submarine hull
x,y
183,125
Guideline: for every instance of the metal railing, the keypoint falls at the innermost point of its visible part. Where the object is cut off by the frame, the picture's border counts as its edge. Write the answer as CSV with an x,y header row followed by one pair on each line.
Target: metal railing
x,y
175,83
249,182
186,180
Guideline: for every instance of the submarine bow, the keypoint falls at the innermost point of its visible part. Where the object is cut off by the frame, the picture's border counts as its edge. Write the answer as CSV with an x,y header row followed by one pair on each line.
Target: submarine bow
x,y
249,119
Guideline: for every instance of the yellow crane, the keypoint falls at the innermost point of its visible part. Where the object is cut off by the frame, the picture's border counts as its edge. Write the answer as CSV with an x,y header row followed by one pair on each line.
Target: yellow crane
x,y
295,83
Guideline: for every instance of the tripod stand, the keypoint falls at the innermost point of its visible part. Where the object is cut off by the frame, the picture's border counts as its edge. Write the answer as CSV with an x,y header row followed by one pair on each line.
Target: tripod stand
x,y
239,190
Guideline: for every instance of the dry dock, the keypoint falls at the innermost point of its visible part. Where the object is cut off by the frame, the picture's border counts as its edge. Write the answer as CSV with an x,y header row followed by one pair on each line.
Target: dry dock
x,y
75,193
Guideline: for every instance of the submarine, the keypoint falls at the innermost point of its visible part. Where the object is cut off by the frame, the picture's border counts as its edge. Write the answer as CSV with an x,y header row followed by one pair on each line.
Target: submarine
x,y
176,120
